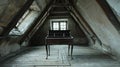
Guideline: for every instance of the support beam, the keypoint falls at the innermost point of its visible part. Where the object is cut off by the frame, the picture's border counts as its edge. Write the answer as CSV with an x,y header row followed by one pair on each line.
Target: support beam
x,y
84,25
16,18
60,12
60,5
33,31
108,11
80,25
78,22
38,22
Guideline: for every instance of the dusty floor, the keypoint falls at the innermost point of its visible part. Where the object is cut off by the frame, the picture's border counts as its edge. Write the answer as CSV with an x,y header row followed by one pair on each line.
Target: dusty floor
x,y
82,57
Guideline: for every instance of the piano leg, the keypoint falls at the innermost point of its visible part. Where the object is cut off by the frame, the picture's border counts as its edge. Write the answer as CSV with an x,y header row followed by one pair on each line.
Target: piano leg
x,y
68,49
71,51
46,52
49,50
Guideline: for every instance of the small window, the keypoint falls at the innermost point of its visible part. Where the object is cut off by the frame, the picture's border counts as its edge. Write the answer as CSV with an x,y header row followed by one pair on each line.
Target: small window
x,y
26,21
58,25
23,17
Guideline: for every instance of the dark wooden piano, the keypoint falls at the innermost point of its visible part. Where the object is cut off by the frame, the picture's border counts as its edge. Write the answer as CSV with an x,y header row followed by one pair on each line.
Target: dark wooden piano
x,y
59,37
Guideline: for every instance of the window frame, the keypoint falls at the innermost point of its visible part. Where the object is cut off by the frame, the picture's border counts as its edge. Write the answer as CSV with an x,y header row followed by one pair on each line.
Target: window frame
x,y
58,21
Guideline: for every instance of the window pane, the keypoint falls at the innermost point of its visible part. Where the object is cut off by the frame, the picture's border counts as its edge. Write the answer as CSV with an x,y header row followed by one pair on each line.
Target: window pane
x,y
55,26
59,25
25,24
63,25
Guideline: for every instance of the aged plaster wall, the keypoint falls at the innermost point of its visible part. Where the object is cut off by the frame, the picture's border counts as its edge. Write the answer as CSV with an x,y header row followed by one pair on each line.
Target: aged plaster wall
x,y
100,24
9,45
8,9
76,32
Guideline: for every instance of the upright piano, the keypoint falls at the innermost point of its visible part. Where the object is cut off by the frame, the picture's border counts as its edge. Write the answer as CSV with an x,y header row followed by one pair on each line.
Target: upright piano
x,y
58,37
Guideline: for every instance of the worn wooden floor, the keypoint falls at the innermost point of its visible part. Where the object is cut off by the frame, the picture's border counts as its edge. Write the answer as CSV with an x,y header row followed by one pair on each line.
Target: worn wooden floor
x,y
82,57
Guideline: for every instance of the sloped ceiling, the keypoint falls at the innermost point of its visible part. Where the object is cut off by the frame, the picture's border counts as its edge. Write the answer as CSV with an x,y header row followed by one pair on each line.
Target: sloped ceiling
x,y
42,3
9,8
115,5
100,24
90,10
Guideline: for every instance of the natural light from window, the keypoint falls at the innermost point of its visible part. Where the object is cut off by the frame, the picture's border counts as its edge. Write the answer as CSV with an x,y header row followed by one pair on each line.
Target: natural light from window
x,y
58,24
26,20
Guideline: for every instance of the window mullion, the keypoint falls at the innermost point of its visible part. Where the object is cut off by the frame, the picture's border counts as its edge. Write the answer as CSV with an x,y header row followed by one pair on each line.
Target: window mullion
x,y
66,24
59,26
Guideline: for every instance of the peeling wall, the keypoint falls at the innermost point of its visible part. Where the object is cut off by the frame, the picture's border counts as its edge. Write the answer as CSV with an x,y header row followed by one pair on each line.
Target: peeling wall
x,y
100,24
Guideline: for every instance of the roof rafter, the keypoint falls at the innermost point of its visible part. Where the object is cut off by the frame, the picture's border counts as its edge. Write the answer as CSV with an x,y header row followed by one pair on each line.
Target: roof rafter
x,y
37,24
109,13
83,24
16,18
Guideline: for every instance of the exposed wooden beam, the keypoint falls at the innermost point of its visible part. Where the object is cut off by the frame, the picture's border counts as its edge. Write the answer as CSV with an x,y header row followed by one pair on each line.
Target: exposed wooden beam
x,y
78,22
108,11
52,16
60,12
41,21
60,5
16,18
84,25
37,23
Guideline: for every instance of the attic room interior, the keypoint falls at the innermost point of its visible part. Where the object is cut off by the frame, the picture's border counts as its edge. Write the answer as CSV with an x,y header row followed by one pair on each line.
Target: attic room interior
x,y
59,33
